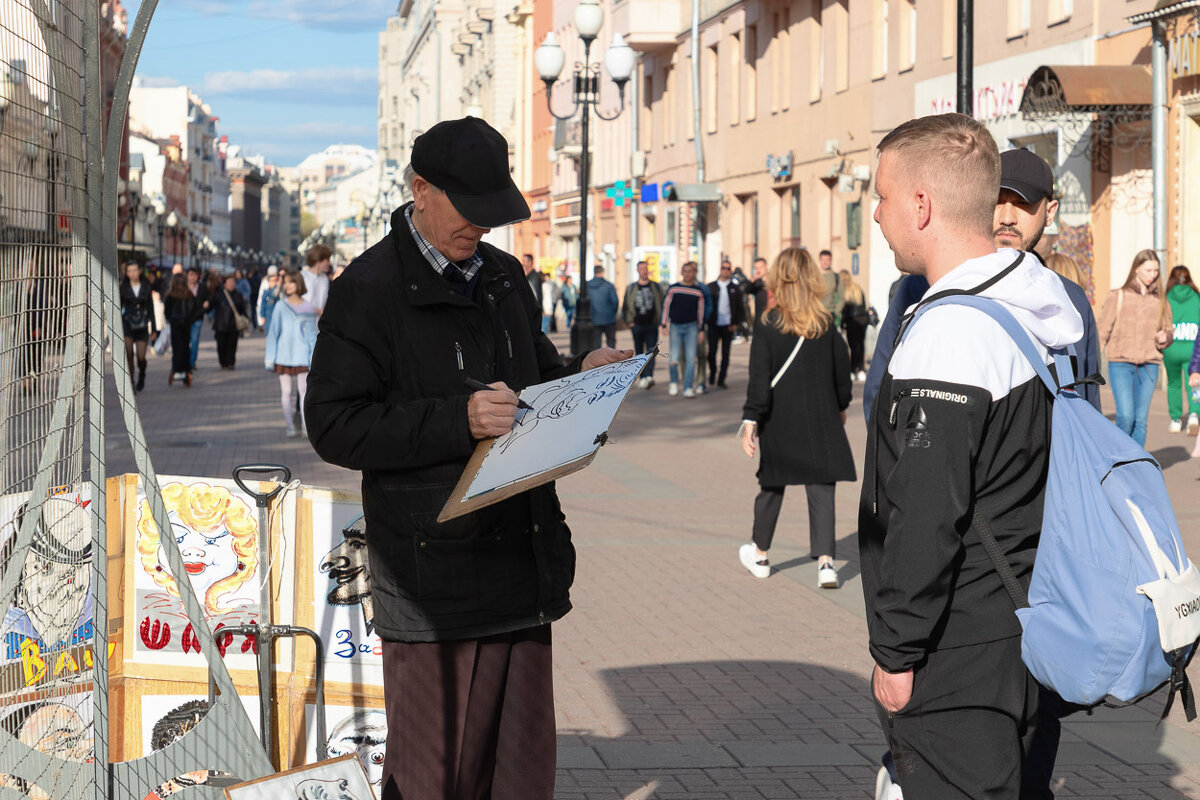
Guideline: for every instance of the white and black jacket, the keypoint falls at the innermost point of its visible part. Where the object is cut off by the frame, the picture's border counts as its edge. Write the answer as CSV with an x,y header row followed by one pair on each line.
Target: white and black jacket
x,y
961,424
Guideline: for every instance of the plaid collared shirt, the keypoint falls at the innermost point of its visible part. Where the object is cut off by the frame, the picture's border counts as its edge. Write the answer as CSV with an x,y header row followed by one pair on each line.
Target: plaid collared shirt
x,y
436,259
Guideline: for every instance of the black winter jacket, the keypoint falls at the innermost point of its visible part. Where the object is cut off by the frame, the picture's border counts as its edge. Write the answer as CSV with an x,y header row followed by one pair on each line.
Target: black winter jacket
x,y
223,313
386,395
737,302
137,309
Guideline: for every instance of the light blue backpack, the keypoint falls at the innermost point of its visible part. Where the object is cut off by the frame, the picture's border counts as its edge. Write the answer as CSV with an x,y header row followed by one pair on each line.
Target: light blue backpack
x,y
1113,611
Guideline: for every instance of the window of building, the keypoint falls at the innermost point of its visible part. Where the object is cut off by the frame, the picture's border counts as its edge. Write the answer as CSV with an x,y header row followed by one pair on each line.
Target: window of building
x,y
749,227
841,44
949,28
1018,18
785,58
816,53
711,70
687,101
671,228
907,34
751,63
794,214
735,78
670,106
879,38
646,118
1059,11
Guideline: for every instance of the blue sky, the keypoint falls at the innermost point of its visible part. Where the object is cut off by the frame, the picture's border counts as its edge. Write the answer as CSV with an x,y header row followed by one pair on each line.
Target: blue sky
x,y
286,77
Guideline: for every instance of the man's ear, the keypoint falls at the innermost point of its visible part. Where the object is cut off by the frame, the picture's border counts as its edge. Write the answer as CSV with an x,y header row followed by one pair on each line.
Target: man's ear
x,y
1051,211
924,208
419,187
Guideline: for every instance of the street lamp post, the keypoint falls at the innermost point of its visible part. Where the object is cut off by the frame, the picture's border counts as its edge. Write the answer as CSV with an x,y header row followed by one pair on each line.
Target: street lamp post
x,y
619,60
174,226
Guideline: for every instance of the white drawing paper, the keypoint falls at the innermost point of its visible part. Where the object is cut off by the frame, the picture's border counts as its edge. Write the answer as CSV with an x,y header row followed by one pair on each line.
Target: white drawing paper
x,y
568,417
350,730
336,779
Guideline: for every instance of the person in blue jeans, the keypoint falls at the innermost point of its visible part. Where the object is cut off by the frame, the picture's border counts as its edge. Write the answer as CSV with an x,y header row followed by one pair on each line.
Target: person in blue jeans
x,y
200,292
1135,327
684,310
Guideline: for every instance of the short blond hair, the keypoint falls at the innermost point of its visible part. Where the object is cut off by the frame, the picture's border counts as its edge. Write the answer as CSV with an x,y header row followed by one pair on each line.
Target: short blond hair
x,y
957,157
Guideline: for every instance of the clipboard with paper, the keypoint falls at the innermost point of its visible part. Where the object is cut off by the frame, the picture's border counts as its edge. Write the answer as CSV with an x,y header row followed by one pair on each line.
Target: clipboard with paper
x,y
562,433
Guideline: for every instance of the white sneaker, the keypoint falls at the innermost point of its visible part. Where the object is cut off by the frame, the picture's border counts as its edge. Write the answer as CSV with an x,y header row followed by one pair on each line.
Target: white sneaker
x,y
1176,426
292,433
748,555
649,383
827,577
1193,424
689,392
673,389
884,788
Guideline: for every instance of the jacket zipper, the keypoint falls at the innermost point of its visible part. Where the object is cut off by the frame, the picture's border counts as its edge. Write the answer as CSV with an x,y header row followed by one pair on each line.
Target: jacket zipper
x,y
508,341
458,355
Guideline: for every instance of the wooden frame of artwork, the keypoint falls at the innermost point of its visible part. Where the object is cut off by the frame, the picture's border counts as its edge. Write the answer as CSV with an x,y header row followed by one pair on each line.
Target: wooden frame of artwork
x,y
346,773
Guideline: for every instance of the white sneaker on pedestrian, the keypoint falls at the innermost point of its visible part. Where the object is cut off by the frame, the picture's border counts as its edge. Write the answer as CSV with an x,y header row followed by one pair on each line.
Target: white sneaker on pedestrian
x,y
649,383
1193,424
884,788
642,383
827,577
748,555
1176,426
673,389
292,433
689,392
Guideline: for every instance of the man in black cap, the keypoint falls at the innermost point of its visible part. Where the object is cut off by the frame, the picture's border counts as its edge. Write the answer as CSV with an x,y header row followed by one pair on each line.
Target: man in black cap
x,y
463,607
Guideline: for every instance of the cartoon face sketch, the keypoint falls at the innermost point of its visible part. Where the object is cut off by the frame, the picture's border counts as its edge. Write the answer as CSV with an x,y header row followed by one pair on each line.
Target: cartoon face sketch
x,y
318,789
52,728
171,728
217,537
364,733
348,567
56,576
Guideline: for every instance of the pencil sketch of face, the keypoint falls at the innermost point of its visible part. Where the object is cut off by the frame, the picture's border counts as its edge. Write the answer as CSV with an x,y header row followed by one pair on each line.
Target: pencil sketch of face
x,y
612,380
56,730
56,576
317,789
208,556
348,566
363,733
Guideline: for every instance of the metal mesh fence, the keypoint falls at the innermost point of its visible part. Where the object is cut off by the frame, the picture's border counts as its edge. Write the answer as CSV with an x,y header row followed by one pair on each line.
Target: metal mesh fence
x,y
58,317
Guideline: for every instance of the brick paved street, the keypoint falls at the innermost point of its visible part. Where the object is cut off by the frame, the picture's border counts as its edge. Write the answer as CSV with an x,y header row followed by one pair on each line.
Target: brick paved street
x,y
677,674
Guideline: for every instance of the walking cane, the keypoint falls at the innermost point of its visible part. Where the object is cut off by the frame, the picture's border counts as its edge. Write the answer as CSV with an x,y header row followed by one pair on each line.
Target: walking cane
x,y
263,631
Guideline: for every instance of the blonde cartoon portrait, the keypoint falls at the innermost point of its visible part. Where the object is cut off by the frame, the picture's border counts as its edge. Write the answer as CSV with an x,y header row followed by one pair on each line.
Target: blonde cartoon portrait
x,y
218,539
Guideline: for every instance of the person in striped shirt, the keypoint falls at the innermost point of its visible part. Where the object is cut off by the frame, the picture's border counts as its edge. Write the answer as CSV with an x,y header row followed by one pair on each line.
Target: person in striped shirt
x,y
683,316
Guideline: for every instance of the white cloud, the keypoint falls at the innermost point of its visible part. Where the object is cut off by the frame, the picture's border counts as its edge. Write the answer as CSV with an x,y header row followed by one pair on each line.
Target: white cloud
x,y
335,85
339,15
330,132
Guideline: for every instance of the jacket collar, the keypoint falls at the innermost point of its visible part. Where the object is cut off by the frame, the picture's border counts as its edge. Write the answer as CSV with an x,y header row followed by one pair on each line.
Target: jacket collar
x,y
420,282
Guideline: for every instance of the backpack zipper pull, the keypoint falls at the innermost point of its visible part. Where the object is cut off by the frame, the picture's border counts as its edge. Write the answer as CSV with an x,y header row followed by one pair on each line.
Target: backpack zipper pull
x,y
458,355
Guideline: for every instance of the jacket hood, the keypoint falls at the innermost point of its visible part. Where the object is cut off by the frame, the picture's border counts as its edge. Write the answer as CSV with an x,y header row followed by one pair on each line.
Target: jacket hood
x,y
1031,292
1182,294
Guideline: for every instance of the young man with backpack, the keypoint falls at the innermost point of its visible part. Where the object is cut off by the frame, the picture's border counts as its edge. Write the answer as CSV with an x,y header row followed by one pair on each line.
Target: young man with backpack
x,y
960,443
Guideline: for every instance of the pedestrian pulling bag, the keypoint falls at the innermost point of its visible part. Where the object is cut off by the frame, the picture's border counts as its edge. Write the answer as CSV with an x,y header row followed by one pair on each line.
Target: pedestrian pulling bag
x,y
1113,609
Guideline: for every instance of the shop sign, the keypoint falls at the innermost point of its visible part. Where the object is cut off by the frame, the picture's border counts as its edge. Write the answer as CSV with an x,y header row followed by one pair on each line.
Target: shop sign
x,y
994,102
1184,54
780,167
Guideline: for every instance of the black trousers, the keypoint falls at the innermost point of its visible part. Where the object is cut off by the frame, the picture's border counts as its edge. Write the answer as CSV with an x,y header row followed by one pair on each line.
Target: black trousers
x,y
181,345
722,334
856,336
606,332
968,726
227,342
821,540
645,337
470,720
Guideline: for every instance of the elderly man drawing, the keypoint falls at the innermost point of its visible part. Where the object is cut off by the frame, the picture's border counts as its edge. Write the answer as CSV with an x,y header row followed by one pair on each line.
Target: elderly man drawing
x,y
463,607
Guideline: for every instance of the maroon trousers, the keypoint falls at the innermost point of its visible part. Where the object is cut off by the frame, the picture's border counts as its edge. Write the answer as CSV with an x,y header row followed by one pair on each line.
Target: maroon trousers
x,y
470,720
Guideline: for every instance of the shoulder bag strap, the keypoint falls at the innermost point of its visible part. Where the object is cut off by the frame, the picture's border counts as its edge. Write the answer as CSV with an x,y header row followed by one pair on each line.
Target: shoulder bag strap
x,y
787,363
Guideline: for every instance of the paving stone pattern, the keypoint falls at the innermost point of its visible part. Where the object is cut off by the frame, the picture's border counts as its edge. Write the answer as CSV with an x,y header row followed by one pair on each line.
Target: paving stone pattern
x,y
678,675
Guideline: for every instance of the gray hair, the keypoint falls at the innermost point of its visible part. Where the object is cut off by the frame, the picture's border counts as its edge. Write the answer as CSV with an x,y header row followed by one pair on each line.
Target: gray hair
x,y
409,175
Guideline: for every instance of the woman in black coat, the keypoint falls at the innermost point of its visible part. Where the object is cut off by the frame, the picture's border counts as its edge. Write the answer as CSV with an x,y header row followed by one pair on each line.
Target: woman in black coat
x,y
181,309
227,307
137,318
800,420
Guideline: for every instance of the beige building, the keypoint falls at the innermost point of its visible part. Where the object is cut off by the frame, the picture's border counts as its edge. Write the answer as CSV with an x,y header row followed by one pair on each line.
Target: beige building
x,y
794,97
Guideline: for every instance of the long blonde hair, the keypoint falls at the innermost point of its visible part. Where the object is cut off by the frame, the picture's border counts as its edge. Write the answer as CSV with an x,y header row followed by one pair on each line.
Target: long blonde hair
x,y
853,292
797,287
1065,265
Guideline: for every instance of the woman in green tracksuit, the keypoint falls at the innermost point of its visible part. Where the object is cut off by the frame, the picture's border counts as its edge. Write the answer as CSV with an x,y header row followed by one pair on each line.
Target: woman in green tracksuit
x,y
1184,300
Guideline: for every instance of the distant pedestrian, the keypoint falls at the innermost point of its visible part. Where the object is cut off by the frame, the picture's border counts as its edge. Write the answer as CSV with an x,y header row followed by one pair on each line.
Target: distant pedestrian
x,y
1135,327
289,347
856,316
268,296
603,298
1183,298
758,289
137,319
835,295
729,312
227,307
702,340
796,400
201,292
570,296
550,294
641,311
683,316
243,286
316,275
182,309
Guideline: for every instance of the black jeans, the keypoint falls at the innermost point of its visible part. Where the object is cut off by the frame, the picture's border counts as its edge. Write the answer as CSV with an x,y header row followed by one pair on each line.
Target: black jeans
x,y
855,337
722,334
968,726
609,332
821,540
227,342
645,338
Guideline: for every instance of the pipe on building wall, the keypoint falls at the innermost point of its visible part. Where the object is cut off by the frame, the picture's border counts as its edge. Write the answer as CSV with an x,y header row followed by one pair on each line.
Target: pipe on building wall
x,y
634,142
966,57
701,209
1158,139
